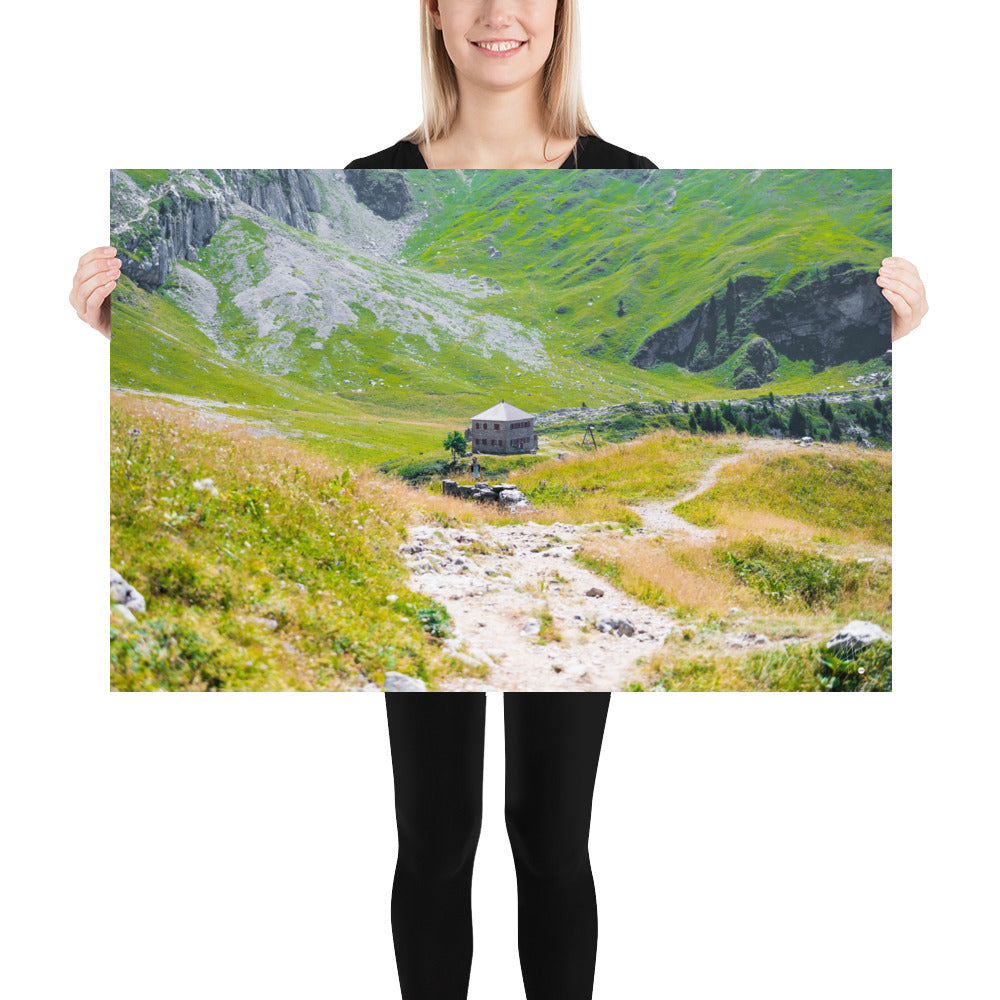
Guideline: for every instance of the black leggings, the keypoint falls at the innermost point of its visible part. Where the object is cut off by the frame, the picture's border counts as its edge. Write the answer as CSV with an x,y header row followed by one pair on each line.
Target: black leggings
x,y
553,742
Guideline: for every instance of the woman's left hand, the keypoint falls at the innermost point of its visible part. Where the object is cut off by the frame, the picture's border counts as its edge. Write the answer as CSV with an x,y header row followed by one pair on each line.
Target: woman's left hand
x,y
902,286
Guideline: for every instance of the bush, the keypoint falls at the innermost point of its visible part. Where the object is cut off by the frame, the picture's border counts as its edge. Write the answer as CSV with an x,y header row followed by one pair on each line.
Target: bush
x,y
435,620
783,574
792,667
164,655
869,670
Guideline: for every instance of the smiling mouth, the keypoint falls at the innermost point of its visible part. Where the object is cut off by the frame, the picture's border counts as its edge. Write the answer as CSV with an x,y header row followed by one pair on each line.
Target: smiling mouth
x,y
504,46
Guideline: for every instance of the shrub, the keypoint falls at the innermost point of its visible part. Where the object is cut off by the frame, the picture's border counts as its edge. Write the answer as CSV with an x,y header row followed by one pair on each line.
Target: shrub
x,y
783,574
160,654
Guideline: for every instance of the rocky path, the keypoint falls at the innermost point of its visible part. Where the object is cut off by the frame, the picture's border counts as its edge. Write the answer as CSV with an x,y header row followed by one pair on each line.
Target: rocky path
x,y
520,607
531,615
658,516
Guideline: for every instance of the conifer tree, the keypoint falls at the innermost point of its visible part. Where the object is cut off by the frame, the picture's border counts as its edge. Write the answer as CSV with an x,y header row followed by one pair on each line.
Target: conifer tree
x,y
796,422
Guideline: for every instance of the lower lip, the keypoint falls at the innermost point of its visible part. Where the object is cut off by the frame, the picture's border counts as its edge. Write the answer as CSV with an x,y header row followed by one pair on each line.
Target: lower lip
x,y
497,55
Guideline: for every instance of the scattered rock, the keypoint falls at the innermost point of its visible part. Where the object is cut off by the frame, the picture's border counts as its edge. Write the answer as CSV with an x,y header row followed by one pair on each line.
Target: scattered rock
x,y
621,626
855,636
395,681
125,594
745,639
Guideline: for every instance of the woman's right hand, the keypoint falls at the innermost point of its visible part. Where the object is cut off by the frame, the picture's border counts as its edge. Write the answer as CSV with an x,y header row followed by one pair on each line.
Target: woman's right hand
x,y
93,284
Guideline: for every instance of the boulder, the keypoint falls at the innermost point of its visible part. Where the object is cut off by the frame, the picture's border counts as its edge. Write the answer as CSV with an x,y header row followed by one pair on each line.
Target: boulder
x,y
855,636
395,681
125,594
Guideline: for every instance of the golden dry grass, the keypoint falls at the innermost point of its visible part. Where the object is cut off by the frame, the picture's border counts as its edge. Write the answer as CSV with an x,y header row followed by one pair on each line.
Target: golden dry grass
x,y
682,575
657,465
423,506
831,490
257,453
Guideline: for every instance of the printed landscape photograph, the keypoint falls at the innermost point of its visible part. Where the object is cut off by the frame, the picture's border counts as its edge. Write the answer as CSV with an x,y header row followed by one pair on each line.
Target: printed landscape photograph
x,y
501,430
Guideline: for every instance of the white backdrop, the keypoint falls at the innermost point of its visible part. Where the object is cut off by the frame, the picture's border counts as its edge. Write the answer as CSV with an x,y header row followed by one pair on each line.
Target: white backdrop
x,y
772,846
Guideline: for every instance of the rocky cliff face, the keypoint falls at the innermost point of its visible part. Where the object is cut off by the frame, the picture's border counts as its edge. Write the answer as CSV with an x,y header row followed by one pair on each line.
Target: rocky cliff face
x,y
386,193
842,317
154,227
839,317
286,195
679,342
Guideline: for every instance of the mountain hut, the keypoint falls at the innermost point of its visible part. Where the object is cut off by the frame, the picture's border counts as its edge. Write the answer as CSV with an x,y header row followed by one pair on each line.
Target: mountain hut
x,y
503,430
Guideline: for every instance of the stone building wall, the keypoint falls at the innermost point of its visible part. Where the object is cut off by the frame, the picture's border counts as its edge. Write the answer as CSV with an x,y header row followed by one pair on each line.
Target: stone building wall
x,y
502,437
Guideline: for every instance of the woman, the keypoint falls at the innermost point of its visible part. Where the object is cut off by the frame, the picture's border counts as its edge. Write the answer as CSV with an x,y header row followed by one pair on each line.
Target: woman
x,y
501,89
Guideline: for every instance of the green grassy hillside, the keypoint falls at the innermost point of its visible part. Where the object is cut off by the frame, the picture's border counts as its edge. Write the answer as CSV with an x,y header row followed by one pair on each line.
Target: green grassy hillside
x,y
658,244
374,354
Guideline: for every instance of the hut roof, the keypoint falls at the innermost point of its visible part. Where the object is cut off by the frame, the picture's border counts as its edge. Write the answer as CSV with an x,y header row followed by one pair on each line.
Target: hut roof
x,y
502,411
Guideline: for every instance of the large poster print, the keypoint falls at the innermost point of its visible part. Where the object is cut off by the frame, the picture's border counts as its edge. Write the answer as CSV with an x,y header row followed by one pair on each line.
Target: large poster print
x,y
451,430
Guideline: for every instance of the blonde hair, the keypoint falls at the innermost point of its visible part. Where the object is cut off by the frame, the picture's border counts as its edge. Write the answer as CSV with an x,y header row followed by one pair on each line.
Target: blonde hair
x,y
562,91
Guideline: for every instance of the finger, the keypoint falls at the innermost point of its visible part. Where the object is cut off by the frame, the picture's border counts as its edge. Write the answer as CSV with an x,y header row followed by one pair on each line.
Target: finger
x,y
911,294
83,287
100,265
900,262
900,306
88,277
96,254
94,301
896,267
916,300
96,281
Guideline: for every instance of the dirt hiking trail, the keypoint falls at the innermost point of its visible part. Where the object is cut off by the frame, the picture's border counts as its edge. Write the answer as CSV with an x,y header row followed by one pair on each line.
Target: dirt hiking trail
x,y
530,617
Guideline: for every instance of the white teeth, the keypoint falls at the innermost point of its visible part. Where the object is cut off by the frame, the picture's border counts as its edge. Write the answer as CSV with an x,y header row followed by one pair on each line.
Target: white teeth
x,y
498,46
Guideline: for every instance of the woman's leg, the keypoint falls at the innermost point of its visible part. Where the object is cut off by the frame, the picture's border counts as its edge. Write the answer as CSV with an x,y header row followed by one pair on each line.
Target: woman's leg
x,y
553,743
436,742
